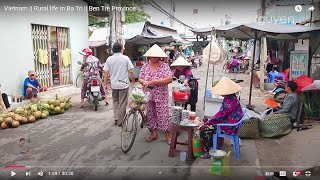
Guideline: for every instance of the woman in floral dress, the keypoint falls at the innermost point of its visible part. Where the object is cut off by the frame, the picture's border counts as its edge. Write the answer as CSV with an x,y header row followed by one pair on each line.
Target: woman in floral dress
x,y
158,75
230,112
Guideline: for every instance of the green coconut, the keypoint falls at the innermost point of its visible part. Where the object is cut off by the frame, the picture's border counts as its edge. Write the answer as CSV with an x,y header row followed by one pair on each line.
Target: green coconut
x,y
56,103
44,115
45,106
51,107
34,108
57,109
62,105
62,100
19,110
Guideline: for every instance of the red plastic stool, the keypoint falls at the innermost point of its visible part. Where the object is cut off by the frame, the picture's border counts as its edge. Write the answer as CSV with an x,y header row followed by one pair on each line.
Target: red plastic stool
x,y
173,146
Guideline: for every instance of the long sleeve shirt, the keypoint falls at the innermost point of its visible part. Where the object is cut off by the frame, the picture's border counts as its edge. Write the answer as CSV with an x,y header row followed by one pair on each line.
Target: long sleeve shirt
x,y
186,72
229,113
290,105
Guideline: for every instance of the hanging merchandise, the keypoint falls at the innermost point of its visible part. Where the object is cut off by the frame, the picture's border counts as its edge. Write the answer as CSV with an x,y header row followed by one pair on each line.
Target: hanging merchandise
x,y
43,56
66,57
217,54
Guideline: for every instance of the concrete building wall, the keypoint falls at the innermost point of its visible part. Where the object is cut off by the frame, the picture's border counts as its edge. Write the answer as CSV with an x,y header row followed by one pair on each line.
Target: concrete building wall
x,y
16,41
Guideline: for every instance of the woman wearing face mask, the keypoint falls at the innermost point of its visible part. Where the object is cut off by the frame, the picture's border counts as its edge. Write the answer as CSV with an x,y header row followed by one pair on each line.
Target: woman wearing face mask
x,y
158,75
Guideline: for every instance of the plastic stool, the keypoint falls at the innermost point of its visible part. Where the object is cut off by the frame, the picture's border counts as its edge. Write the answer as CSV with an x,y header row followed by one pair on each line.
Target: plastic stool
x,y
174,141
275,75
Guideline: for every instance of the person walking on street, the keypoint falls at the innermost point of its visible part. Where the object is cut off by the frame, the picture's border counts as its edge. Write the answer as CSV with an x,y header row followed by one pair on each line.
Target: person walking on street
x,y
158,75
117,67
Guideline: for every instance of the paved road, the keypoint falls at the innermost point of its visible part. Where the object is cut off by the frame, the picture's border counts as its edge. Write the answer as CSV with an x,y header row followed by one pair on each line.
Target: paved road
x,y
87,143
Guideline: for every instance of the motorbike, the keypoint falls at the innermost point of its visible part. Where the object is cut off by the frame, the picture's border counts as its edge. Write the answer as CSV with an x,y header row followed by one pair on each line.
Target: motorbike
x,y
279,92
93,93
192,60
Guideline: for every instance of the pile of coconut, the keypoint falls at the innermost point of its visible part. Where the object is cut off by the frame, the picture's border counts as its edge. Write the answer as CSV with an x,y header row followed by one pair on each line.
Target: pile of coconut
x,y
33,112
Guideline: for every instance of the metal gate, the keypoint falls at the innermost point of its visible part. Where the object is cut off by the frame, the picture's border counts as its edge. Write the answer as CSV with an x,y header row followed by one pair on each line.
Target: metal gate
x,y
40,41
64,47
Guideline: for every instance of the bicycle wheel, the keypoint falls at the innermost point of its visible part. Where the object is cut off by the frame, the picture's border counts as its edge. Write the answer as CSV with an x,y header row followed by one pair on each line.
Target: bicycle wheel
x,y
79,81
129,131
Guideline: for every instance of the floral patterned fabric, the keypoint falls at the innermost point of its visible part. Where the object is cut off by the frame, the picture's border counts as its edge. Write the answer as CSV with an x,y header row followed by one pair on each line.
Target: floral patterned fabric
x,y
91,67
229,113
158,106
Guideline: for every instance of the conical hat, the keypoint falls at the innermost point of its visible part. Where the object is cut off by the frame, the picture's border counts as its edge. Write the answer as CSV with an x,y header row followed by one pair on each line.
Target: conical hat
x,y
225,87
181,62
155,51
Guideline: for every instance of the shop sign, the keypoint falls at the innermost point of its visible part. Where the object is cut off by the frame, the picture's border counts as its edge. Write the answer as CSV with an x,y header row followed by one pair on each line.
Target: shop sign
x,y
298,63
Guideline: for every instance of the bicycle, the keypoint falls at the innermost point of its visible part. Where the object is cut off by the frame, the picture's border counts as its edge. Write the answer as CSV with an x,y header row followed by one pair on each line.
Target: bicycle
x,y
129,128
79,79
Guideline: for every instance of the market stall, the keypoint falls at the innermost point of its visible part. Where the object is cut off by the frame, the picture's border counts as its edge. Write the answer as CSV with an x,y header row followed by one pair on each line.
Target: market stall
x,y
256,31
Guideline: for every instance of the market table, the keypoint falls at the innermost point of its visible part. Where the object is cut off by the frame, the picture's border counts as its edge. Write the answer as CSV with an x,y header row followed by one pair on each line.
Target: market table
x,y
174,140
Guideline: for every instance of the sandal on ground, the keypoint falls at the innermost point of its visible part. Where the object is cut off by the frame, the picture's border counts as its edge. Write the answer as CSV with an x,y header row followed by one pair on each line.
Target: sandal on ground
x,y
205,155
107,104
82,105
151,138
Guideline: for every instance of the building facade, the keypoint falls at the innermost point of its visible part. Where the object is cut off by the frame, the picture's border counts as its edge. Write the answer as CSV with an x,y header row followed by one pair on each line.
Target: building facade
x,y
44,36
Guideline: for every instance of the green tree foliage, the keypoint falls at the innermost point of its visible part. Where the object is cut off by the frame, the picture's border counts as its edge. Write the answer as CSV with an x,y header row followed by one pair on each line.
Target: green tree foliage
x,y
135,16
130,16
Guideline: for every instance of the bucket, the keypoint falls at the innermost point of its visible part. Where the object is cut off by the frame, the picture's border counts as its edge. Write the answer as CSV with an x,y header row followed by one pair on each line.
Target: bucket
x,y
183,156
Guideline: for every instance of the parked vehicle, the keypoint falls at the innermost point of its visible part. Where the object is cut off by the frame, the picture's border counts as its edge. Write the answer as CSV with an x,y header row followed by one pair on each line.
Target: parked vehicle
x,y
93,93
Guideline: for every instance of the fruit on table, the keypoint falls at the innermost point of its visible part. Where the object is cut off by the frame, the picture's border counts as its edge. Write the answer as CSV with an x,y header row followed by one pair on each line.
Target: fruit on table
x,y
15,124
4,125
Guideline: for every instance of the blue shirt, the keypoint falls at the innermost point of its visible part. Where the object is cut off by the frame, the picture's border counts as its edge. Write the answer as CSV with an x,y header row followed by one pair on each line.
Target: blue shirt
x,y
27,81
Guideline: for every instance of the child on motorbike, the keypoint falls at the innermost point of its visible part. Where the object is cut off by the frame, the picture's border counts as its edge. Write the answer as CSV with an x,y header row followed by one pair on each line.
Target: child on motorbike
x,y
182,67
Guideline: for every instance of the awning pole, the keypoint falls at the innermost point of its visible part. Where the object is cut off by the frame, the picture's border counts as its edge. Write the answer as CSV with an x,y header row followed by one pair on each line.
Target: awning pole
x,y
215,35
252,66
204,98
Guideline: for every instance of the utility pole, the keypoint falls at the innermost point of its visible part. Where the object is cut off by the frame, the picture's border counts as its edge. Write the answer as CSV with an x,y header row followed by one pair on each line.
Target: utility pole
x,y
172,10
115,24
263,47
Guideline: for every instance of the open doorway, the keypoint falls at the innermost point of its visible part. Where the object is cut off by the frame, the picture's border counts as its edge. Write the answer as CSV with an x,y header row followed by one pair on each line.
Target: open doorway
x,y
54,57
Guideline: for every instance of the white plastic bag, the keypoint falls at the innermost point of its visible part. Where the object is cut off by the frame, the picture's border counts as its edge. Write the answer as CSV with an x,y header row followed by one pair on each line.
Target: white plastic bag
x,y
138,96
216,54
265,113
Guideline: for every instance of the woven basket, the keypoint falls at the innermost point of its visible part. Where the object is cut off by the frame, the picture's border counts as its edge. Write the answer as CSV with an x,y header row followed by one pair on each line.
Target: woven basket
x,y
250,129
275,125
